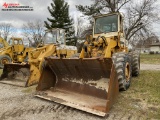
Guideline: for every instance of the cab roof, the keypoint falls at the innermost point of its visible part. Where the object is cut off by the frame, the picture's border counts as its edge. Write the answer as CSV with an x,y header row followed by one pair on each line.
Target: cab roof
x,y
16,38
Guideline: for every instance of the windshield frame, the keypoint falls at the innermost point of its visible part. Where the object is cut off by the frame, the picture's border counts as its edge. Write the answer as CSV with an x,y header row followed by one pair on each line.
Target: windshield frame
x,y
46,37
58,39
102,18
13,41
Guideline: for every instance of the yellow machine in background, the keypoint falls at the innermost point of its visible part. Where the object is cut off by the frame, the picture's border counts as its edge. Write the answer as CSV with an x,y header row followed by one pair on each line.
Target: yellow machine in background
x,y
3,43
54,44
16,52
3,46
91,82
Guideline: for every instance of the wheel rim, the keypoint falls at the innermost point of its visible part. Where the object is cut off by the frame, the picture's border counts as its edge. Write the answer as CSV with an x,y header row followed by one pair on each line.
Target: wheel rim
x,y
127,72
4,61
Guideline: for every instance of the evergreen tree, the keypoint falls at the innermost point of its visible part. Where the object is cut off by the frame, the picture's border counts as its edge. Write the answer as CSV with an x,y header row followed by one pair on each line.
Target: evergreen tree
x,y
60,19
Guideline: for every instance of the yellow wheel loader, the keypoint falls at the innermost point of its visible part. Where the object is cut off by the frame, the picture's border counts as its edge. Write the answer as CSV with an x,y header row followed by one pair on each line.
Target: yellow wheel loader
x,y
16,52
91,82
54,44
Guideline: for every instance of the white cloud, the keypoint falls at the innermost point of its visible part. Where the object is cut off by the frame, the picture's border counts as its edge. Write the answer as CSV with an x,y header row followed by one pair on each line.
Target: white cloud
x,y
17,19
40,11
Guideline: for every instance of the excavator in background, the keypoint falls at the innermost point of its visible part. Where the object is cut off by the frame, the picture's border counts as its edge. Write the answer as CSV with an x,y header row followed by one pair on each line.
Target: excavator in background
x,y
54,44
14,52
91,82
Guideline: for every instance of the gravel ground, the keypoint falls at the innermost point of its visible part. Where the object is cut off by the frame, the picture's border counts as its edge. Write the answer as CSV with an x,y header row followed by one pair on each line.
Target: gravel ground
x,y
17,103
150,67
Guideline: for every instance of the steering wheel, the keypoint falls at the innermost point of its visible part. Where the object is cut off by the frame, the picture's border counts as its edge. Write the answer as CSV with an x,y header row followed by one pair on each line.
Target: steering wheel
x,y
103,38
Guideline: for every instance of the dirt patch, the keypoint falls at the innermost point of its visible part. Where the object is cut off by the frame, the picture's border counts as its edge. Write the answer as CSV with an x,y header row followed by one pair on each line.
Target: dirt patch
x,y
24,106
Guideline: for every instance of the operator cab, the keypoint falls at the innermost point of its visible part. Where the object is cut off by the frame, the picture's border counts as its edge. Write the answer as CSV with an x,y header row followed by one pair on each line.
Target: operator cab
x,y
108,25
55,36
15,41
17,45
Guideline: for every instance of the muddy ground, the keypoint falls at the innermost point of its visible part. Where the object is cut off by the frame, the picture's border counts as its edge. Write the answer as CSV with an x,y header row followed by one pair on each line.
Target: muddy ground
x,y
17,103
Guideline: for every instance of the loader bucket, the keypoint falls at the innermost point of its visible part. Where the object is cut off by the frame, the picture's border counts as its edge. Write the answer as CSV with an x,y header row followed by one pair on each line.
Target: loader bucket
x,y
15,74
88,84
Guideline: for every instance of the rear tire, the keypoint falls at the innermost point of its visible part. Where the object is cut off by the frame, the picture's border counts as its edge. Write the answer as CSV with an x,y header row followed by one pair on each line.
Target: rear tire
x,y
122,63
4,59
135,64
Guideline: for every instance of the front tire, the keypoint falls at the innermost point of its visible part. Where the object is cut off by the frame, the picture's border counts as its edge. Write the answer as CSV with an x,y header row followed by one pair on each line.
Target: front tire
x,y
122,63
4,59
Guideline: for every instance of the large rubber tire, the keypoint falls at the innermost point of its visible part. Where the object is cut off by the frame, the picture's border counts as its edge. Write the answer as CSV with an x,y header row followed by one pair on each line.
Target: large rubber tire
x,y
135,64
122,63
3,60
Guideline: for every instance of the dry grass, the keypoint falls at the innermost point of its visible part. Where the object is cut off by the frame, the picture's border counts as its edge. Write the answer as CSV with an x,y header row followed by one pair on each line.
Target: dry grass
x,y
143,97
148,87
150,58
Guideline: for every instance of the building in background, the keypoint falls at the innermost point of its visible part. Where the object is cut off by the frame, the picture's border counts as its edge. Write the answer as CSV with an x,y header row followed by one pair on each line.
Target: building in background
x,y
155,48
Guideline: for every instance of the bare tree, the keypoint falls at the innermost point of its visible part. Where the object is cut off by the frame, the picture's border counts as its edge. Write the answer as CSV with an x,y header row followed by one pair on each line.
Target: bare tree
x,y
111,5
81,25
102,7
5,30
140,18
34,31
